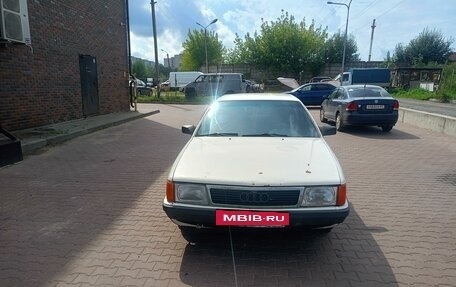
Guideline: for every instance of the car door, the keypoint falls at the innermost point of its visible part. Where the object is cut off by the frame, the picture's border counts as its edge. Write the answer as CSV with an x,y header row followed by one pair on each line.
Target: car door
x,y
303,94
320,92
201,84
331,103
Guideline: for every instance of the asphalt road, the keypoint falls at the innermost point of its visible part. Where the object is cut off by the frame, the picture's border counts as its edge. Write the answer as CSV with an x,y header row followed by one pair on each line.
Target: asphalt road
x,y
88,213
446,109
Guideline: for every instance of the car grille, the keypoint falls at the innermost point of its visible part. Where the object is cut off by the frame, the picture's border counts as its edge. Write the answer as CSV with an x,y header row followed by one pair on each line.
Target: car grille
x,y
257,197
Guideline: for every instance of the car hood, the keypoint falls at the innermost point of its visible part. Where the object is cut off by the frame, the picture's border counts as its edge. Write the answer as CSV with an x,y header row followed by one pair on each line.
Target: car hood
x,y
256,161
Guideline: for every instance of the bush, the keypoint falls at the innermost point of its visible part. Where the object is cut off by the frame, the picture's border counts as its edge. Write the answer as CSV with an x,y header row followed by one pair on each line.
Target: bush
x,y
174,98
417,94
447,90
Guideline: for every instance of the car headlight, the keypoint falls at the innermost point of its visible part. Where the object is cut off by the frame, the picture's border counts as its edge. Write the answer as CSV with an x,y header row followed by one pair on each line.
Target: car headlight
x,y
191,193
319,196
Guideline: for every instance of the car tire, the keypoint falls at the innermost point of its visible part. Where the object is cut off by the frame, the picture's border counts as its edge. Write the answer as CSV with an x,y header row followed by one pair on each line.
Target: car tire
x,y
322,116
339,123
386,128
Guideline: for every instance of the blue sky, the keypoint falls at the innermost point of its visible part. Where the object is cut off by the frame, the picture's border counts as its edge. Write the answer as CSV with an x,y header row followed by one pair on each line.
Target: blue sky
x,y
397,21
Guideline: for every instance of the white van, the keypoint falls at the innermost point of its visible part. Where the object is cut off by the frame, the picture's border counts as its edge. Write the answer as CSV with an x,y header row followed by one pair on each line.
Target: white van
x,y
215,85
178,80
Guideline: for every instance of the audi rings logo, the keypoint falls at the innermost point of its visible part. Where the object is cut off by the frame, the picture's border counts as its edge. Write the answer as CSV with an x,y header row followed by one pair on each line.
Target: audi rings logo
x,y
254,197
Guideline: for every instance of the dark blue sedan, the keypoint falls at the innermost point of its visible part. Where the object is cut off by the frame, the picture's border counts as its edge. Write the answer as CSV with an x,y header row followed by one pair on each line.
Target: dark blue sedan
x,y
360,105
312,94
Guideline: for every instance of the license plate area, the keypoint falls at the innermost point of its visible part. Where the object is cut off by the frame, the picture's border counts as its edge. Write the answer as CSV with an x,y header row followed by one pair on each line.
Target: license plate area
x,y
375,107
251,218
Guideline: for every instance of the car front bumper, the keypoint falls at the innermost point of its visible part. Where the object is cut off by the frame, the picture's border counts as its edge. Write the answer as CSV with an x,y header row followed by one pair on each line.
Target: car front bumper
x,y
204,216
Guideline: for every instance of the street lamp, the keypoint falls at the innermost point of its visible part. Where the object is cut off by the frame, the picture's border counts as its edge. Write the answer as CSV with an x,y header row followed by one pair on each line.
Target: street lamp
x,y
205,39
167,56
345,38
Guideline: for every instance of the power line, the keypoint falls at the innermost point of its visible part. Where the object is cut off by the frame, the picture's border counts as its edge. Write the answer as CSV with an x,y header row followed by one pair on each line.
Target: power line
x,y
365,9
376,17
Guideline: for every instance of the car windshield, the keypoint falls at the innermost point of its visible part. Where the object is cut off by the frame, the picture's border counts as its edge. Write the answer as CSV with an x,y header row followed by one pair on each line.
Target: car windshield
x,y
365,92
263,118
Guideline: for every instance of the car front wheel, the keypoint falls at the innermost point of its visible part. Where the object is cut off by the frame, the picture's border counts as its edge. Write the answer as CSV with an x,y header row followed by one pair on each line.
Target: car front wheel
x,y
322,116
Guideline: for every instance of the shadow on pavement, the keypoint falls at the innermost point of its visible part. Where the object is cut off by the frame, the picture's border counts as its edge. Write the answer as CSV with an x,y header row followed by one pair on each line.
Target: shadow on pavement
x,y
347,256
377,133
57,206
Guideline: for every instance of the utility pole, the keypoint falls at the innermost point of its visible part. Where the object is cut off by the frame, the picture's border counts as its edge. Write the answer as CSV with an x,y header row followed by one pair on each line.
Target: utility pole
x,y
205,39
372,40
157,72
345,37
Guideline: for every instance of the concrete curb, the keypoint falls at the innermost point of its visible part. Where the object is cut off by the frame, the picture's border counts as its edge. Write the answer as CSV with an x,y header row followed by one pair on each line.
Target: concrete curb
x,y
439,123
34,144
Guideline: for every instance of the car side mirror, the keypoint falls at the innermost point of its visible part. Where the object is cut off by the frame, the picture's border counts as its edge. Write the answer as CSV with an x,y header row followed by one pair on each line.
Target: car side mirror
x,y
327,130
188,129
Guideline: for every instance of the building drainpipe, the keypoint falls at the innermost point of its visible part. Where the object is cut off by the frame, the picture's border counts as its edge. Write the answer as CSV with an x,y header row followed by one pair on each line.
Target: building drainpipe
x,y
132,84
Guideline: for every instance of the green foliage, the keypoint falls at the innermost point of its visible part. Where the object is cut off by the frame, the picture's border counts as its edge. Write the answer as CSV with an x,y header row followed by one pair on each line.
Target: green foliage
x,y
417,94
194,55
142,70
174,98
335,46
139,69
283,45
447,90
237,55
429,46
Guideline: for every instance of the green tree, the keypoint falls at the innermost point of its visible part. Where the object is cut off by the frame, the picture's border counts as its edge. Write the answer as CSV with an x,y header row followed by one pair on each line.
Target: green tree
x,y
237,54
194,54
334,48
140,70
283,46
429,46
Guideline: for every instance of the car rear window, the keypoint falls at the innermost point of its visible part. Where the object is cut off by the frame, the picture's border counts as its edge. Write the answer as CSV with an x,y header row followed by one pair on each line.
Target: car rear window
x,y
367,92
263,118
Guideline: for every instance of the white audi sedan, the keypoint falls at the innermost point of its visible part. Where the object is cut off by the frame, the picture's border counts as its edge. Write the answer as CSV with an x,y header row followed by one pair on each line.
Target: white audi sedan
x,y
256,160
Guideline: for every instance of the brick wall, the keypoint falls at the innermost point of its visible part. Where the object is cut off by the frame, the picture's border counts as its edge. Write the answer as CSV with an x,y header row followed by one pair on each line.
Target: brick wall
x,y
41,85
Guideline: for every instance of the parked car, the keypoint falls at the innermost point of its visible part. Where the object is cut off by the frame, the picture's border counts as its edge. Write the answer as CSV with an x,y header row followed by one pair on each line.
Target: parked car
x,y
178,80
215,85
141,88
320,79
256,161
360,105
312,94
366,76
253,87
165,86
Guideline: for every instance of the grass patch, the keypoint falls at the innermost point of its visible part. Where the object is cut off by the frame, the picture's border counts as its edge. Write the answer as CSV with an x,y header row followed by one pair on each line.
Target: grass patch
x,y
174,98
417,94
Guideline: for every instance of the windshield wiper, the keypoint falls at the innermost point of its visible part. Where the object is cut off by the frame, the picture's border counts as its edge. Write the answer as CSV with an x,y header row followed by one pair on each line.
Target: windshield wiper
x,y
218,135
266,135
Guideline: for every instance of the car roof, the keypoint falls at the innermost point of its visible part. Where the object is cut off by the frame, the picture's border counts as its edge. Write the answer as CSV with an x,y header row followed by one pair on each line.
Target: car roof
x,y
360,86
258,97
319,83
212,74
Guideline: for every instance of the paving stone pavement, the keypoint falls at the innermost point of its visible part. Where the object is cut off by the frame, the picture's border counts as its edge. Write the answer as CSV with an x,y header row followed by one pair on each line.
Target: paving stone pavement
x,y
88,213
